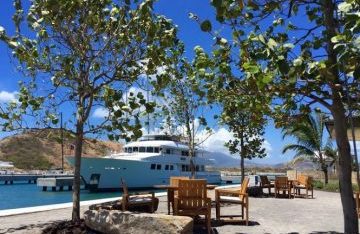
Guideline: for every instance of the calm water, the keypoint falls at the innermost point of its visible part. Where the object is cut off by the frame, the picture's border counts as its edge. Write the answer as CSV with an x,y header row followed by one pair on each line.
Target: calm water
x,y
21,195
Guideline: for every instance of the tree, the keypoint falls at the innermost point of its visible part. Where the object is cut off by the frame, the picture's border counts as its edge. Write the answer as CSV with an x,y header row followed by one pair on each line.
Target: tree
x,y
185,102
309,133
296,63
248,134
84,54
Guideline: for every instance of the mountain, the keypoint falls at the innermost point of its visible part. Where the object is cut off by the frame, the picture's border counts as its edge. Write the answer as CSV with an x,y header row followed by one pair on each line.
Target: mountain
x,y
224,160
41,148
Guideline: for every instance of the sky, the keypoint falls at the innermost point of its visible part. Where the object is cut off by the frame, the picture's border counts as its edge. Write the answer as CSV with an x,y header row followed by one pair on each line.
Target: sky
x,y
190,34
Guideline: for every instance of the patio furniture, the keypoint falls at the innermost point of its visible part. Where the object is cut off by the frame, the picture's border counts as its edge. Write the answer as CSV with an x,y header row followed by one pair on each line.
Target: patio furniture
x,y
357,200
265,183
303,182
174,182
191,200
282,184
237,196
144,202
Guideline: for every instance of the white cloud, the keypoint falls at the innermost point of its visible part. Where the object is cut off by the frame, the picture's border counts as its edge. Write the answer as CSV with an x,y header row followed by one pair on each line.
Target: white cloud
x,y
8,96
100,112
216,141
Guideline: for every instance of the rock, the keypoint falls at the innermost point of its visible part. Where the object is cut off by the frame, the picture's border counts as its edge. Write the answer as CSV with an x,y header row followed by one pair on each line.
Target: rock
x,y
114,221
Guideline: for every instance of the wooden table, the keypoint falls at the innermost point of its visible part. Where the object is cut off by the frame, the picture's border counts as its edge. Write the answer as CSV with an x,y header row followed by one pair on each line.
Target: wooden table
x,y
171,189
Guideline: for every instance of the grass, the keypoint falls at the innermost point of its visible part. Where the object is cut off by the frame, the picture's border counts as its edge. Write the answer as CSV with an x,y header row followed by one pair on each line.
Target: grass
x,y
332,186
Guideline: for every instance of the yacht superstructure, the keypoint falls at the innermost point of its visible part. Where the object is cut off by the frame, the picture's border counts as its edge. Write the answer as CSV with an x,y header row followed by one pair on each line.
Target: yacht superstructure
x,y
150,161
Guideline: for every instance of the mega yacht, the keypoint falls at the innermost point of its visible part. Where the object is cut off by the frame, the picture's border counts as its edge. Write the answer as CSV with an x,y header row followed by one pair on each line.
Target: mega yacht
x,y
150,161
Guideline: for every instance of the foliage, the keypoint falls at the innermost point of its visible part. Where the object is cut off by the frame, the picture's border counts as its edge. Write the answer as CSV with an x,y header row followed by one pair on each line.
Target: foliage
x,y
248,132
95,56
332,186
184,103
295,63
81,54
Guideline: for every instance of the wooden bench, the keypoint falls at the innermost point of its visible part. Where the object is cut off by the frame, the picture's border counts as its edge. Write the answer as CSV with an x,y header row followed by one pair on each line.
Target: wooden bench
x,y
303,182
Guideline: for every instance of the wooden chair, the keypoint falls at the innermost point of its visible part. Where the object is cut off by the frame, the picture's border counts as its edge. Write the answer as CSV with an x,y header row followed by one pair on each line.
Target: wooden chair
x,y
144,202
174,181
282,184
192,200
238,196
357,200
265,183
303,182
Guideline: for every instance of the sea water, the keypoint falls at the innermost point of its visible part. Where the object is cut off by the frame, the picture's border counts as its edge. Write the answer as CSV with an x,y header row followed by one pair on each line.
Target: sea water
x,y
20,195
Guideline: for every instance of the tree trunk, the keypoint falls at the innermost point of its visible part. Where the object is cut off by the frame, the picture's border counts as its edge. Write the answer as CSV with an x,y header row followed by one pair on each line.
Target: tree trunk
x,y
330,13
76,184
242,156
345,162
326,176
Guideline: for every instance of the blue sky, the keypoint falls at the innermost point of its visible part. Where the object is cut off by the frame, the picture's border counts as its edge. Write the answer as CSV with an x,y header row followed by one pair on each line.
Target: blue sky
x,y
189,33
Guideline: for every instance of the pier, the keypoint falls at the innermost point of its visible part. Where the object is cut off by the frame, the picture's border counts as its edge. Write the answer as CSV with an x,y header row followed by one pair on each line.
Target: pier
x,y
30,178
55,183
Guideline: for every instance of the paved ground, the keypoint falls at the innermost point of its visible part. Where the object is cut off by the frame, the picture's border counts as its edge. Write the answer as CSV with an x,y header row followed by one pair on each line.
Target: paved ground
x,y
322,214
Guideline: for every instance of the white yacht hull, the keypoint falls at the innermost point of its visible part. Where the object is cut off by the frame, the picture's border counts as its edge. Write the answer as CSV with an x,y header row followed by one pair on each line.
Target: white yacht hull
x,y
137,174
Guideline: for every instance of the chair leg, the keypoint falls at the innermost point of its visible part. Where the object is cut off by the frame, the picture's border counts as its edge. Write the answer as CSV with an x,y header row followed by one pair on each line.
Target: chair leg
x,y
208,223
217,201
247,211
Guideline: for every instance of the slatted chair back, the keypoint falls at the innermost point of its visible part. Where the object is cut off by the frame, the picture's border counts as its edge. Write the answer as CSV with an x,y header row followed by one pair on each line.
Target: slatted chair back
x,y
264,180
174,180
191,194
243,188
281,182
303,179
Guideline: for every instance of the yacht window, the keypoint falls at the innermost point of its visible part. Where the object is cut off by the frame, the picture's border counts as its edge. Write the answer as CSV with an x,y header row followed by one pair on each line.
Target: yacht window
x,y
197,168
141,149
202,168
129,150
183,167
125,149
167,167
156,149
185,153
187,168
150,149
158,167
168,151
153,166
135,149
171,167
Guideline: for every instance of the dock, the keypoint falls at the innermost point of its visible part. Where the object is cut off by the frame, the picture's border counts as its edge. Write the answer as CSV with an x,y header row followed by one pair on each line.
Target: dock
x,y
30,178
55,183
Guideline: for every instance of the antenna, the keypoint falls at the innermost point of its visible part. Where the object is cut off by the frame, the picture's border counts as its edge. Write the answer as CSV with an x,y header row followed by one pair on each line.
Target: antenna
x,y
148,115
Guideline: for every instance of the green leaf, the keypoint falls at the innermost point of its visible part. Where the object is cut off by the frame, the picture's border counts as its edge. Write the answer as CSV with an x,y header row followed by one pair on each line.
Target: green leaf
x,y
272,44
356,73
216,3
206,26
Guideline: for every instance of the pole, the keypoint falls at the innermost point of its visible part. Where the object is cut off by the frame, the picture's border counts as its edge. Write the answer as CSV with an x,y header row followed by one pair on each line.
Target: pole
x,y
62,141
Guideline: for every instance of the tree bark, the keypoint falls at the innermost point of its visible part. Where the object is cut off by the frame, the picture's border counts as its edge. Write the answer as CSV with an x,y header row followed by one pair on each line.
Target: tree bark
x,y
242,156
326,176
76,184
338,111
345,161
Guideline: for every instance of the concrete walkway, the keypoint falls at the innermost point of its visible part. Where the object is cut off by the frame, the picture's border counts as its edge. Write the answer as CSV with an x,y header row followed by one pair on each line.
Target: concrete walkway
x,y
323,214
